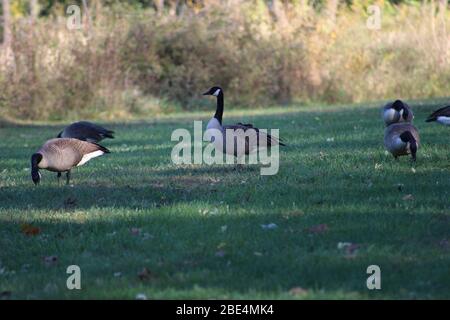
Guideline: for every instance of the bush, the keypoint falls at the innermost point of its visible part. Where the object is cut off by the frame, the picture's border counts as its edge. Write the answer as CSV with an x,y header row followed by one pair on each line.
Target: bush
x,y
134,62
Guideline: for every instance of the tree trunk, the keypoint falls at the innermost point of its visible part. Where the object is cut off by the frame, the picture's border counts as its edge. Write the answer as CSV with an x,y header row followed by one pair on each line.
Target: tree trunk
x,y
7,35
34,10
159,6
173,7
442,8
331,10
277,11
87,18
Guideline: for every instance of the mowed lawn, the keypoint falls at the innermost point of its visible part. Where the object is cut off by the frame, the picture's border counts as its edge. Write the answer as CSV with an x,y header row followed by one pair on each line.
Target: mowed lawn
x,y
197,229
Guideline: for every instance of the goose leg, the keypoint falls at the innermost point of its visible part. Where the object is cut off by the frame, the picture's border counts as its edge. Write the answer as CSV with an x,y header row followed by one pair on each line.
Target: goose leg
x,y
59,177
68,177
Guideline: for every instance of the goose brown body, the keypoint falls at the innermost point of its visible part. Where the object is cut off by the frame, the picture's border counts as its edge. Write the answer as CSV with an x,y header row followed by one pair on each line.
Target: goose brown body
x,y
246,137
61,155
397,142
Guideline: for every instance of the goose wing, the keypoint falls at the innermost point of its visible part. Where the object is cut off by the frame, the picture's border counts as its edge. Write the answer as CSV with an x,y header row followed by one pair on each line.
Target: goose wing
x,y
261,136
442,112
86,131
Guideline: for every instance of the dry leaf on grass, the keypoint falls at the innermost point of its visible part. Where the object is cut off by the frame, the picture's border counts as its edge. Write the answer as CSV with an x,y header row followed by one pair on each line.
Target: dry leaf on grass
x,y
29,229
298,291
318,229
269,226
408,197
141,296
350,249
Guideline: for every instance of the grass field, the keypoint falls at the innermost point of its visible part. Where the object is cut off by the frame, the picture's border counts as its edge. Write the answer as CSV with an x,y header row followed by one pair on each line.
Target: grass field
x,y
197,229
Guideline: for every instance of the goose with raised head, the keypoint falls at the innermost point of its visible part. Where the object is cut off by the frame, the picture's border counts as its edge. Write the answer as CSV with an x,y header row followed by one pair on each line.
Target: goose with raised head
x,y
441,115
402,139
61,155
86,131
246,135
396,112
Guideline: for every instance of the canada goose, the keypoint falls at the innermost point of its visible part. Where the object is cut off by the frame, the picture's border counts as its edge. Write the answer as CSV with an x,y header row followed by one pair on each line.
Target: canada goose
x,y
441,115
86,131
402,139
397,111
61,155
216,123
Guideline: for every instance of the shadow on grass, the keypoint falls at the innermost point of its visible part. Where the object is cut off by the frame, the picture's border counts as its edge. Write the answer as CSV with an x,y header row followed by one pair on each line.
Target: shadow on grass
x,y
194,253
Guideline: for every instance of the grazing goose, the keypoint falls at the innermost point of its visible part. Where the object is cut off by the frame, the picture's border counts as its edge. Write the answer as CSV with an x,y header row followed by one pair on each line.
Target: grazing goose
x,y
397,111
216,123
61,155
441,115
402,139
86,131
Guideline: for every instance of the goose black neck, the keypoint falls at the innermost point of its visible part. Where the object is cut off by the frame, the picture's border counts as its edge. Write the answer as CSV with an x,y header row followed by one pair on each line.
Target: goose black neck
x,y
35,159
219,111
407,136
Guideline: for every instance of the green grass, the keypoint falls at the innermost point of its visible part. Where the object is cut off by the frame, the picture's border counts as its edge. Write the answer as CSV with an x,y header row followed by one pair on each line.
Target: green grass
x,y
349,183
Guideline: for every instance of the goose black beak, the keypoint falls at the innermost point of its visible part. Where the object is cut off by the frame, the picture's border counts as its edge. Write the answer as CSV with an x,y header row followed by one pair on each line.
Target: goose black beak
x,y
206,93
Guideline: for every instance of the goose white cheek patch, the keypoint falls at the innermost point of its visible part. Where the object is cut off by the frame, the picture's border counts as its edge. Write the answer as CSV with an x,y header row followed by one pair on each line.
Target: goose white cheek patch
x,y
90,156
216,93
389,115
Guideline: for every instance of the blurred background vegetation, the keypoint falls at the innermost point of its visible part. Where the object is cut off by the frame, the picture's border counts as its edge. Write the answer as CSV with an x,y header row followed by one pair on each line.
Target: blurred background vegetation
x,y
138,58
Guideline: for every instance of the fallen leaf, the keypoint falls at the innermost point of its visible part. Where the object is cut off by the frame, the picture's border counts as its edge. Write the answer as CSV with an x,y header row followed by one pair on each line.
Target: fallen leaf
x,y
223,228
317,229
29,229
117,274
141,296
258,254
408,197
269,226
145,274
350,249
343,245
298,291
293,213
